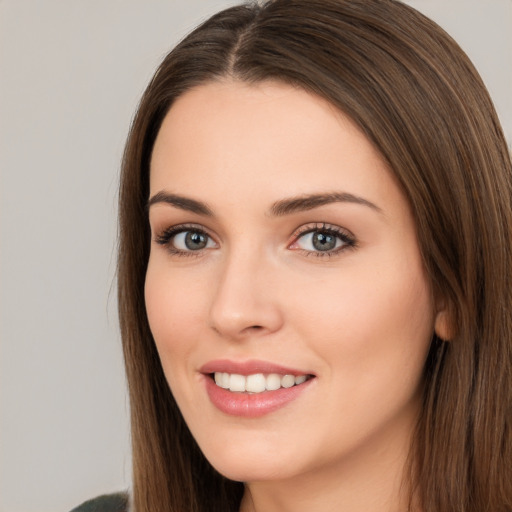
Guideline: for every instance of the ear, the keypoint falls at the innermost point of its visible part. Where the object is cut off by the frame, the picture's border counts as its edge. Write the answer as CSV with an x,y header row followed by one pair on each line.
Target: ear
x,y
444,324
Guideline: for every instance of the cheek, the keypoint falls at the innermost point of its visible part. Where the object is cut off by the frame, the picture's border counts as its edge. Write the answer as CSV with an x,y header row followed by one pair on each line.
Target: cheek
x,y
173,308
376,328
373,335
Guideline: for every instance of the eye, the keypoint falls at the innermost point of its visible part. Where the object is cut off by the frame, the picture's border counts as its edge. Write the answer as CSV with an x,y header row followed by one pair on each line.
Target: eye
x,y
323,240
182,239
191,241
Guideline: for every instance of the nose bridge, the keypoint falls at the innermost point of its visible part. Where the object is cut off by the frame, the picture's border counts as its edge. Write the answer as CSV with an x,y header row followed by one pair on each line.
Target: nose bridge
x,y
244,300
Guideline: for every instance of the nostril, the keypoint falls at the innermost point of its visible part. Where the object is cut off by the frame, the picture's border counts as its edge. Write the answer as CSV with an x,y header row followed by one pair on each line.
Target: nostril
x,y
254,328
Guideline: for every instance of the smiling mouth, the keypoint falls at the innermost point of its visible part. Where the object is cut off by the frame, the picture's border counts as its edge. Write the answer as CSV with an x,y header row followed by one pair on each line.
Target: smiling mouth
x,y
257,382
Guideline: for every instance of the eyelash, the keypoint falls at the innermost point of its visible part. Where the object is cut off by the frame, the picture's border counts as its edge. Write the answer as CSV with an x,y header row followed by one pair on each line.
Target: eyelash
x,y
166,236
348,240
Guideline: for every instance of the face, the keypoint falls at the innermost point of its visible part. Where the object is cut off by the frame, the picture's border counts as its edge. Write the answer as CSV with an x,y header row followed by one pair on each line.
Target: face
x,y
284,265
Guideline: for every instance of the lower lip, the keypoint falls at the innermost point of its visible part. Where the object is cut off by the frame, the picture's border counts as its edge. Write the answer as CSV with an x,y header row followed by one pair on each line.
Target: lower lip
x,y
252,405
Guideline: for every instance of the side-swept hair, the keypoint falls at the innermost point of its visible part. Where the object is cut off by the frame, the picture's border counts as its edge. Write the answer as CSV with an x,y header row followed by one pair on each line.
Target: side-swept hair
x,y
416,96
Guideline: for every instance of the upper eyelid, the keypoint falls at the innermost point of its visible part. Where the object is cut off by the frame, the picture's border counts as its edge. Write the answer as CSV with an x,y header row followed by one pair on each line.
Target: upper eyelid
x,y
321,226
187,226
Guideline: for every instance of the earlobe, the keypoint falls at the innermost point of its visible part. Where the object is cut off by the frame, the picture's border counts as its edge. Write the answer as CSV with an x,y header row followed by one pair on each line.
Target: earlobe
x,y
444,326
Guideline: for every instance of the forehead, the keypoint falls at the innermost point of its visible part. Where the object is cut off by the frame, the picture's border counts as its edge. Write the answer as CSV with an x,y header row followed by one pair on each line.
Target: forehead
x,y
232,138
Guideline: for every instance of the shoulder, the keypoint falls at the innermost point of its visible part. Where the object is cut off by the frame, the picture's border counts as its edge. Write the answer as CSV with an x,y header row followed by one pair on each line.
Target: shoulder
x,y
106,503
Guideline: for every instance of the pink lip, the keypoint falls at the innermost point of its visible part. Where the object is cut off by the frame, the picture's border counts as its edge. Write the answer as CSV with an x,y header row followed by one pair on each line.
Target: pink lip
x,y
248,367
250,405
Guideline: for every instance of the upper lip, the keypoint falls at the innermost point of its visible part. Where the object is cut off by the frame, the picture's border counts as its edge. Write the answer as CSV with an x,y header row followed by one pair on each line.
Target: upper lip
x,y
249,367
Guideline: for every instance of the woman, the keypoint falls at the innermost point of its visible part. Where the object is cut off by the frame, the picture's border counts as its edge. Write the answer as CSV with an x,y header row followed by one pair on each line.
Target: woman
x,y
315,266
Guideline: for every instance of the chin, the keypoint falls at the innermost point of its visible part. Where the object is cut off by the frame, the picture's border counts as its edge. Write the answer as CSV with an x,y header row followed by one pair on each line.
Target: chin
x,y
248,466
247,471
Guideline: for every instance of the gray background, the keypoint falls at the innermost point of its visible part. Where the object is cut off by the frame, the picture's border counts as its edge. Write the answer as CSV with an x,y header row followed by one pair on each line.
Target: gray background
x,y
71,73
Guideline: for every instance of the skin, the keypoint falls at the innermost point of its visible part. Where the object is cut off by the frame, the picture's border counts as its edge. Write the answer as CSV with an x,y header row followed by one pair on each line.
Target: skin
x,y
360,319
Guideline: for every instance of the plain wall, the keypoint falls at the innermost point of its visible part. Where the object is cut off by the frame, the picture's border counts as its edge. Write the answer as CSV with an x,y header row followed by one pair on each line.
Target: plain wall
x,y
71,74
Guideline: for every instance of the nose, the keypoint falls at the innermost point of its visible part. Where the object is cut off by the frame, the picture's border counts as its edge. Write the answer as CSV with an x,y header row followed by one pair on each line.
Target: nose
x,y
245,302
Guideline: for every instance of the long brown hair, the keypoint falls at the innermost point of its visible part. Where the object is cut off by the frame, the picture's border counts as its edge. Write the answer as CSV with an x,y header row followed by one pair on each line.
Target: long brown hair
x,y
419,100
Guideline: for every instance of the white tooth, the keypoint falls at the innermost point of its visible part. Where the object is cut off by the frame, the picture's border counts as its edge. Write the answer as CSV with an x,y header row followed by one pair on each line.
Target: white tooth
x,y
288,381
273,382
222,379
255,383
236,382
300,379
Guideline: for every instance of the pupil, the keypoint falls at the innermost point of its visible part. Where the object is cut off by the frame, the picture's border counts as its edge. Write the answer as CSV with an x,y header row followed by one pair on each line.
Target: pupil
x,y
324,241
195,241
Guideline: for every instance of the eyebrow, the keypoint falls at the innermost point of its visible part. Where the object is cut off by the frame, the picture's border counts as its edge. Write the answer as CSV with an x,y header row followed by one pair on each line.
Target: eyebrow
x,y
181,202
311,201
278,209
